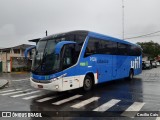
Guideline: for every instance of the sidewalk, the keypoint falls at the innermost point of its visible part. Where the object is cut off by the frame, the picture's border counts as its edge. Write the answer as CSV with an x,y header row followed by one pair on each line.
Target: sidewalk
x,y
3,83
22,72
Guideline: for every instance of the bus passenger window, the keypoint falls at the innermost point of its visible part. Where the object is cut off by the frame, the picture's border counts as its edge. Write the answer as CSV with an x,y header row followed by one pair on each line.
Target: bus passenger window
x,y
114,48
91,47
122,49
134,51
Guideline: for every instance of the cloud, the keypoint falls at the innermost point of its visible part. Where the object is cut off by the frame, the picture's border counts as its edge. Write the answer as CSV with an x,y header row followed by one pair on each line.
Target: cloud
x,y
22,20
7,30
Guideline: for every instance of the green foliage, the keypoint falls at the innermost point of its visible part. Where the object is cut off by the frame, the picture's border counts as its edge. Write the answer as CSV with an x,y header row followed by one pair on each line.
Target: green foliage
x,y
151,48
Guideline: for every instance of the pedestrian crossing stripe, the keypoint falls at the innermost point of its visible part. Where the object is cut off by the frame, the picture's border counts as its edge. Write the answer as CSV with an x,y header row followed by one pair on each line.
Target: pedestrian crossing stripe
x,y
85,102
46,99
158,118
19,80
66,100
19,95
15,92
107,105
31,97
135,107
131,111
4,91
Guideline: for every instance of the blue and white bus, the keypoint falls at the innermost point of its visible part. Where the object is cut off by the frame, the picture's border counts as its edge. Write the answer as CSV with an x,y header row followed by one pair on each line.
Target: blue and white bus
x,y
82,59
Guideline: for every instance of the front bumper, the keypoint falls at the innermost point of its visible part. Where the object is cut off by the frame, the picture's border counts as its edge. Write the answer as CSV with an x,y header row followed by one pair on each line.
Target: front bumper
x,y
53,86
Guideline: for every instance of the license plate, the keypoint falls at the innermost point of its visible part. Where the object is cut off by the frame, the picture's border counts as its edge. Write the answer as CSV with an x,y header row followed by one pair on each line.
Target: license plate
x,y
40,86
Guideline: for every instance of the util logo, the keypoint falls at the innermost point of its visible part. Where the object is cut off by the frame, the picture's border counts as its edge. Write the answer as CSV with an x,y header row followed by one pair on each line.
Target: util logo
x,y
136,63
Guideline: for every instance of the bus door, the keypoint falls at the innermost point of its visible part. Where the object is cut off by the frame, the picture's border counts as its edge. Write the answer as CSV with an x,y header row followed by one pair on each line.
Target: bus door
x,y
68,60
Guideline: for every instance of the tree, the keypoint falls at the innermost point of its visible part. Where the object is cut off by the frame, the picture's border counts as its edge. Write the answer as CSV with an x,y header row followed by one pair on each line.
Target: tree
x,y
151,48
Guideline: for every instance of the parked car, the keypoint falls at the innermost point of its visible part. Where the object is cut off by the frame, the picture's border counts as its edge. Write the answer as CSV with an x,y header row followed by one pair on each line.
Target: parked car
x,y
154,64
146,65
158,64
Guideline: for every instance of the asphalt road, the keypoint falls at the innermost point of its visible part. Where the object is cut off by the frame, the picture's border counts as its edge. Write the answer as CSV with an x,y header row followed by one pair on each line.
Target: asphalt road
x,y
120,99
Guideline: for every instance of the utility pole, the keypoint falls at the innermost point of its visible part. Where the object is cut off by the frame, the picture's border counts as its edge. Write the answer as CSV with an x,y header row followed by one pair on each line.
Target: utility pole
x,y
123,19
46,33
6,62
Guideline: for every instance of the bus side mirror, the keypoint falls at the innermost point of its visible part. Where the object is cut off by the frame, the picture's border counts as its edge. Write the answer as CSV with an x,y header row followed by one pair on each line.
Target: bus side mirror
x,y
27,51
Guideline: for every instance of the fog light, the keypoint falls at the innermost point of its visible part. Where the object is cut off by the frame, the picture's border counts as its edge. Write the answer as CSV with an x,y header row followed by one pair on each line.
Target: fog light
x,y
57,86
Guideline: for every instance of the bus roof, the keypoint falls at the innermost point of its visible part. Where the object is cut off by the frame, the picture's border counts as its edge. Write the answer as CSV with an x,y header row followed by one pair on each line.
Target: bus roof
x,y
76,32
90,33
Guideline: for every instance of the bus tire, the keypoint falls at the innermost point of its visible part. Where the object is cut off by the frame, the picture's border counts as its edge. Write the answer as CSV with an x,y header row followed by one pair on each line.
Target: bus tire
x,y
131,74
87,83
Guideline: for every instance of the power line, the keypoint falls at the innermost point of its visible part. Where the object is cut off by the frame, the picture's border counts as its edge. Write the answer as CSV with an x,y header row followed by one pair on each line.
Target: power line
x,y
145,35
151,36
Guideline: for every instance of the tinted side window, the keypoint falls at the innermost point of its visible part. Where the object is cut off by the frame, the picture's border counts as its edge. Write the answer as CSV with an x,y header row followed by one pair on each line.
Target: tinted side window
x,y
114,48
91,47
134,51
80,38
122,49
99,46
139,51
105,47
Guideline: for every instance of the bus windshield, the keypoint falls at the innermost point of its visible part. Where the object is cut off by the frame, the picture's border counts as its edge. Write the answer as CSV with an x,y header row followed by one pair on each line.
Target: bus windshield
x,y
45,60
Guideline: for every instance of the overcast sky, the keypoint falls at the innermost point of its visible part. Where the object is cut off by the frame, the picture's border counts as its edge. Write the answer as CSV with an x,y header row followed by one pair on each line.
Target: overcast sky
x,y
21,20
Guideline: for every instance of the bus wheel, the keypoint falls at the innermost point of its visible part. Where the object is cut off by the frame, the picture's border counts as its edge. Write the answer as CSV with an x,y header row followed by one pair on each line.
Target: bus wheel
x,y
88,83
131,74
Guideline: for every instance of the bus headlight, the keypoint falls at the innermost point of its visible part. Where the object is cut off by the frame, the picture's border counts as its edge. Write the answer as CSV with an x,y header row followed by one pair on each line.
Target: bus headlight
x,y
57,86
54,79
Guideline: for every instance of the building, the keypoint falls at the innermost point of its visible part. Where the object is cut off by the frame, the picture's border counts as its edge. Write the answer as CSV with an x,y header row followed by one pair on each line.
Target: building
x,y
12,59
145,57
157,58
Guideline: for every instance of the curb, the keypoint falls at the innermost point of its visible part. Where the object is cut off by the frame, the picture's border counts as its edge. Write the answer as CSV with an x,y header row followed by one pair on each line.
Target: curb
x,y
4,85
19,72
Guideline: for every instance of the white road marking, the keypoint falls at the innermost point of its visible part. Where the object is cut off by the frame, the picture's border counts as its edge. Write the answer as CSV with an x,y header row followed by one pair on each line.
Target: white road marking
x,y
10,93
85,102
20,80
9,90
133,109
107,105
46,99
158,118
66,100
19,95
31,97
